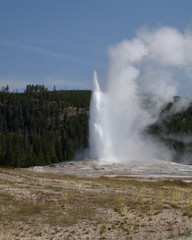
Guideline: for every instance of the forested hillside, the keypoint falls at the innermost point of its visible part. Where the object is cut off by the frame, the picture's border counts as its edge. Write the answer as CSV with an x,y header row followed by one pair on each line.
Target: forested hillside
x,y
40,127
174,129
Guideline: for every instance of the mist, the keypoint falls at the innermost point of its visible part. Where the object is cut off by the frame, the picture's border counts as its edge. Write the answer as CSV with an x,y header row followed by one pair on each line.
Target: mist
x,y
145,73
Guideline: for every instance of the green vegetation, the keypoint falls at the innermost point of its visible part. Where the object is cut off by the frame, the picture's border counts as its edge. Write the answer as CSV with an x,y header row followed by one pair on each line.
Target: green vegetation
x,y
174,129
40,127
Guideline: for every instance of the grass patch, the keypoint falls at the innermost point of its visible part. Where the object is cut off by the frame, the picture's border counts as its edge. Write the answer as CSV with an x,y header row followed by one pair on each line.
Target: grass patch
x,y
14,210
28,209
69,217
188,211
5,198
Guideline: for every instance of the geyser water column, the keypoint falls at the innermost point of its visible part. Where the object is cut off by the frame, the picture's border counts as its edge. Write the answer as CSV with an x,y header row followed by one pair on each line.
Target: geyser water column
x,y
116,123
96,121
143,76
117,116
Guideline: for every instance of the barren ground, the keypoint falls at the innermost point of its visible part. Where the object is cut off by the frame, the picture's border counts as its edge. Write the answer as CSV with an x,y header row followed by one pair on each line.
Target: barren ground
x,y
84,200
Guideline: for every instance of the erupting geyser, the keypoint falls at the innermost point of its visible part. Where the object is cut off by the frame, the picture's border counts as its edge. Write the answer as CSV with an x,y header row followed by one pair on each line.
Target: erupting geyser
x,y
144,75
96,138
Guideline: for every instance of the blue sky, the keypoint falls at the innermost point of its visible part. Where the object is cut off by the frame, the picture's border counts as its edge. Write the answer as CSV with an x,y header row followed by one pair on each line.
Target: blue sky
x,y
61,42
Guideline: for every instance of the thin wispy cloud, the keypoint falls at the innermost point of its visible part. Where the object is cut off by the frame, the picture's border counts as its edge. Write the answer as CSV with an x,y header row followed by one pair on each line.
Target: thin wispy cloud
x,y
43,51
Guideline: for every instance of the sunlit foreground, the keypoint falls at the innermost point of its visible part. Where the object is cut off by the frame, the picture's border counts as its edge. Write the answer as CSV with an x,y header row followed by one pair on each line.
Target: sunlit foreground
x,y
41,205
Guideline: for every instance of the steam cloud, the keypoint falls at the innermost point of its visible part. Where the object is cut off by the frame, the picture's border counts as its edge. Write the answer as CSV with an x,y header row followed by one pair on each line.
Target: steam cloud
x,y
144,74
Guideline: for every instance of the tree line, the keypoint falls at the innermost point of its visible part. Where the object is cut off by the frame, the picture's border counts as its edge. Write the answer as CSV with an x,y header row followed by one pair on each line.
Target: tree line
x,y
39,127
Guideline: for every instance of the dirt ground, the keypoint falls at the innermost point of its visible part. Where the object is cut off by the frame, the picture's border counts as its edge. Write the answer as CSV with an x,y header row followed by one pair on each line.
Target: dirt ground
x,y
86,200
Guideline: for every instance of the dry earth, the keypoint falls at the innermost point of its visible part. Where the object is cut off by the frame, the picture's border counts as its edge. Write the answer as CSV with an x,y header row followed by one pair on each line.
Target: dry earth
x,y
74,200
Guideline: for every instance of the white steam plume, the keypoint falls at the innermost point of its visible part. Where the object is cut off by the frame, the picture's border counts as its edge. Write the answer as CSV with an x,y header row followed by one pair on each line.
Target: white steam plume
x,y
143,77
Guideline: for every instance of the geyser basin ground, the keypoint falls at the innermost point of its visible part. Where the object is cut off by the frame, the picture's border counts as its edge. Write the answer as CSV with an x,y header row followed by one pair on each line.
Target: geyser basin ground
x,y
45,205
93,168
